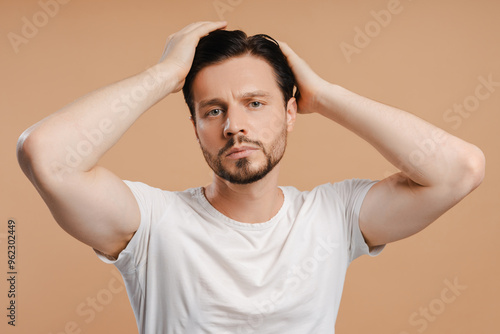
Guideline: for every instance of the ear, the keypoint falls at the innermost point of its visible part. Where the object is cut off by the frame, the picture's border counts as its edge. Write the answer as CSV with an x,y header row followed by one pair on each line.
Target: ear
x,y
291,113
194,127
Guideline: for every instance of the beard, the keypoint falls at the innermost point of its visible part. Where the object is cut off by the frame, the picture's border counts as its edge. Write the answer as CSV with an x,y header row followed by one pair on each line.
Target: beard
x,y
245,172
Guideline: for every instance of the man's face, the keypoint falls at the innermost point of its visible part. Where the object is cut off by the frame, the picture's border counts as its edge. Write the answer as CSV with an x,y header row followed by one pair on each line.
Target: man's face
x,y
241,118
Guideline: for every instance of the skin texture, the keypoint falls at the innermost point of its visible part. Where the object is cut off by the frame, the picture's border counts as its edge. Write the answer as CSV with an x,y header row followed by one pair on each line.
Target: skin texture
x,y
248,104
235,100
404,203
236,114
88,201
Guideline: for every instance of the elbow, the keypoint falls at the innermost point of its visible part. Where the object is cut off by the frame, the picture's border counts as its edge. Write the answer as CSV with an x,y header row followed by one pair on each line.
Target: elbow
x,y
474,170
28,151
24,152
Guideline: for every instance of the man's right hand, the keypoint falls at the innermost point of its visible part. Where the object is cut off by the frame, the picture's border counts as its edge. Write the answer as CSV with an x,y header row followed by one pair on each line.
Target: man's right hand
x,y
180,48
60,153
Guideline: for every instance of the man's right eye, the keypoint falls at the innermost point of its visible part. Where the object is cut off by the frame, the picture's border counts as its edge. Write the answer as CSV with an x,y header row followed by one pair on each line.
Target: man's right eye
x,y
214,112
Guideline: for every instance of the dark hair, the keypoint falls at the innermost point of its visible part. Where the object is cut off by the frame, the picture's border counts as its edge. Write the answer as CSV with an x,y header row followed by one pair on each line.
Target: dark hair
x,y
220,45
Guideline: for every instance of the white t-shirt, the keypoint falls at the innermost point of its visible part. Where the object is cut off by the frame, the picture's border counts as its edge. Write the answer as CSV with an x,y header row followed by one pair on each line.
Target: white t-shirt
x,y
190,269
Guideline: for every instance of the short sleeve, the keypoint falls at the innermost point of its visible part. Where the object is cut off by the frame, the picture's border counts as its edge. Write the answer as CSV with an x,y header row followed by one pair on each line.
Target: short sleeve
x,y
352,193
152,203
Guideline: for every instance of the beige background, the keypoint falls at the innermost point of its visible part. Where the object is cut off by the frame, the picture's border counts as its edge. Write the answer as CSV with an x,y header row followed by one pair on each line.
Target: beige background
x,y
426,59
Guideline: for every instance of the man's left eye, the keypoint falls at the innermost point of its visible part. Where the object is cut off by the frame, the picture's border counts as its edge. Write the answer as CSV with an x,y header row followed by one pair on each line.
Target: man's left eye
x,y
255,104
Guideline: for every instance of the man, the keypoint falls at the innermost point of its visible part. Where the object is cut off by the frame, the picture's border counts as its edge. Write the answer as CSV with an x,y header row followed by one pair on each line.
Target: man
x,y
241,255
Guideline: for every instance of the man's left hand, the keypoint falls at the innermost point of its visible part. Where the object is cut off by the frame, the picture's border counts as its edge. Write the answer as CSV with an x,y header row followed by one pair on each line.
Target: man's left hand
x,y
310,86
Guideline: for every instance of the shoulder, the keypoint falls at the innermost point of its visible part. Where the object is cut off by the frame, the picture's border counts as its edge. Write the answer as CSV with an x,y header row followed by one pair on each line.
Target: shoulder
x,y
338,187
341,192
155,201
143,189
349,188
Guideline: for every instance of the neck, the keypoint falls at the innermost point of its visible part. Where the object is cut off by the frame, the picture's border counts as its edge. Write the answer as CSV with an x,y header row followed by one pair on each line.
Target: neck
x,y
247,203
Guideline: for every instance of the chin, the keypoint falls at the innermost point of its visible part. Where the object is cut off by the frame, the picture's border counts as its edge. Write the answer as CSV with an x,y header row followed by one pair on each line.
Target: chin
x,y
243,171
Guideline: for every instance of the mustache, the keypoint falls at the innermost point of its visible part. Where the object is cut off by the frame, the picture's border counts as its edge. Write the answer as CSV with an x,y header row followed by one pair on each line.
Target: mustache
x,y
238,140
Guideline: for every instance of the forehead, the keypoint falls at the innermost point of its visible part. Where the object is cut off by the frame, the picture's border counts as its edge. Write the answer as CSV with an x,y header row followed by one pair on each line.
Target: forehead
x,y
235,77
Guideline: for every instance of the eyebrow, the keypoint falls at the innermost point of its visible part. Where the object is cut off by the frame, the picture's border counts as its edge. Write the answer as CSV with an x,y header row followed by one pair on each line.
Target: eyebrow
x,y
245,96
257,93
210,102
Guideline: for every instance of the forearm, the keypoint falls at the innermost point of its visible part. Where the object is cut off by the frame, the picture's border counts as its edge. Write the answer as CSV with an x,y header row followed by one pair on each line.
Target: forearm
x,y
75,138
426,154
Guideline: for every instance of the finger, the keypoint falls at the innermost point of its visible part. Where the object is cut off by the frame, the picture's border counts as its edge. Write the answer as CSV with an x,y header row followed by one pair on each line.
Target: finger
x,y
204,27
197,30
290,55
287,50
190,27
164,54
208,27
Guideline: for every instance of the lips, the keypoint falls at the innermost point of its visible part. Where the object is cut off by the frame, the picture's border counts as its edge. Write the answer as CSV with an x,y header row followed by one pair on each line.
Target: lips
x,y
240,152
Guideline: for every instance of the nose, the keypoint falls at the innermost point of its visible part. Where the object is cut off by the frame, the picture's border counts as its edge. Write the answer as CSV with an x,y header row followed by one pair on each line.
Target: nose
x,y
235,123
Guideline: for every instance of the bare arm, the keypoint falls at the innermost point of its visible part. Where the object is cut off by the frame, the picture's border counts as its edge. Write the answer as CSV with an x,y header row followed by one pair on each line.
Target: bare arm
x,y
438,169
59,154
